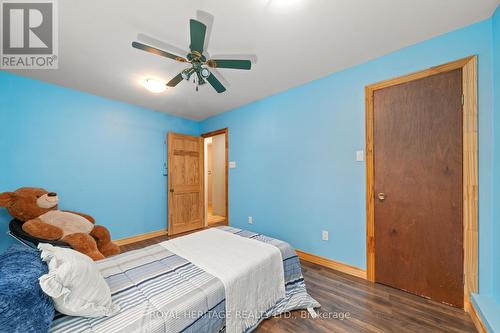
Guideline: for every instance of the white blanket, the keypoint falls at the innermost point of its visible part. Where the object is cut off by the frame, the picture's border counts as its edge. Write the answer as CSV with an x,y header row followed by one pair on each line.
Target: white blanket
x,y
251,271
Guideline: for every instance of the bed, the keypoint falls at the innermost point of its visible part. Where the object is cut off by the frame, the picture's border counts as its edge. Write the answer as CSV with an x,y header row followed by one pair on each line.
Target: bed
x,y
159,291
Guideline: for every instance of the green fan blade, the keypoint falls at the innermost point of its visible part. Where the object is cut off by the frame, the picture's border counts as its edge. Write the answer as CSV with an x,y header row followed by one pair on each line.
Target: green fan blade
x,y
175,81
156,51
235,64
198,31
216,83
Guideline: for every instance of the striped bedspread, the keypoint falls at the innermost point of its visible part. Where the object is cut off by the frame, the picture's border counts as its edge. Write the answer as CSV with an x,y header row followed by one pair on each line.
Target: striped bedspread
x,y
159,291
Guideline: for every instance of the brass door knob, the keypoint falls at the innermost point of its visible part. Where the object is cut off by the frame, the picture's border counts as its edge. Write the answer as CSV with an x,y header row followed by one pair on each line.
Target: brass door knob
x,y
381,196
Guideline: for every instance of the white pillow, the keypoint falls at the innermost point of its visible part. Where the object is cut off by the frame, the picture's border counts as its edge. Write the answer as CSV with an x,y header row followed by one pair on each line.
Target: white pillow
x,y
75,284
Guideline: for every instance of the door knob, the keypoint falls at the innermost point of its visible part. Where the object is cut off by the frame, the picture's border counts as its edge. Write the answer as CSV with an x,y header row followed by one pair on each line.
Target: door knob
x,y
172,190
381,196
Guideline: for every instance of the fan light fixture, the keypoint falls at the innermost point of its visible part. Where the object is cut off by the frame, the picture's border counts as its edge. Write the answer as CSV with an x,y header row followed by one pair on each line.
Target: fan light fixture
x,y
186,74
155,86
205,73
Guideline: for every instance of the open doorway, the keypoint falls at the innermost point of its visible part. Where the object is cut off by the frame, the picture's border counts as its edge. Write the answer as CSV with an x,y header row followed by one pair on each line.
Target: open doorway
x,y
216,165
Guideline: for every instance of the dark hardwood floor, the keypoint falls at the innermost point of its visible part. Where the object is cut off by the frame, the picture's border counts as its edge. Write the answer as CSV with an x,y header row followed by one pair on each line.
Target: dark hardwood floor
x,y
350,304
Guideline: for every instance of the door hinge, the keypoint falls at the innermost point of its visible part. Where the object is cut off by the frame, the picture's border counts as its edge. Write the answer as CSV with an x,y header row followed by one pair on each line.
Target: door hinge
x,y
463,99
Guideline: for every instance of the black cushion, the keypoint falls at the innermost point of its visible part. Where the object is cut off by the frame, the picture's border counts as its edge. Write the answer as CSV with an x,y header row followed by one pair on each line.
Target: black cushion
x,y
15,227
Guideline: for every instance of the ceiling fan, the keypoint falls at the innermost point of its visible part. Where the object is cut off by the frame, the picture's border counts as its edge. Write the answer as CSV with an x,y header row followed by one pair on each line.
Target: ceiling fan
x,y
200,65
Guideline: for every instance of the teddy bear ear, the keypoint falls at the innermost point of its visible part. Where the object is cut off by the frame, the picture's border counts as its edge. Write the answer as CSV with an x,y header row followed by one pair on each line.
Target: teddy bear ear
x,y
6,198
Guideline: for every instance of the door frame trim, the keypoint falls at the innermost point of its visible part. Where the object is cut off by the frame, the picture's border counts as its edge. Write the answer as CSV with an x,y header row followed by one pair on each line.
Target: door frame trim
x,y
469,165
224,131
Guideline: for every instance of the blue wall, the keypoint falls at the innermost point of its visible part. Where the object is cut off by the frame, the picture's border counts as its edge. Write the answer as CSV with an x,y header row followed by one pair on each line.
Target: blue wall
x,y
296,172
496,192
295,151
103,157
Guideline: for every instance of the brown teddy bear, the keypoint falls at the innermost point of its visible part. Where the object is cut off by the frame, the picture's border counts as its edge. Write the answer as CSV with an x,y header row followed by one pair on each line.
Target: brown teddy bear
x,y
37,208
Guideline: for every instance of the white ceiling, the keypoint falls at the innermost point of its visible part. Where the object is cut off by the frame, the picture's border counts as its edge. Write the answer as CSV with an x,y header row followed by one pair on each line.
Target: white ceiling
x,y
295,41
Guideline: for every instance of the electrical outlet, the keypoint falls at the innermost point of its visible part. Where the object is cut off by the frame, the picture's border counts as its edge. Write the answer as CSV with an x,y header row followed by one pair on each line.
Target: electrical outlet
x,y
250,220
324,235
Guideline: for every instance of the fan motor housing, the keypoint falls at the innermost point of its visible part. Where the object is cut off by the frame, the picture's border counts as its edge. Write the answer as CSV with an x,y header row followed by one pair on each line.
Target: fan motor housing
x,y
196,56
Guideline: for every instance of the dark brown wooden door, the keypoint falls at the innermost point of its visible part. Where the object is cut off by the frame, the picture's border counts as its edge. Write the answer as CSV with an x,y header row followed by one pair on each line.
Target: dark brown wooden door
x,y
418,187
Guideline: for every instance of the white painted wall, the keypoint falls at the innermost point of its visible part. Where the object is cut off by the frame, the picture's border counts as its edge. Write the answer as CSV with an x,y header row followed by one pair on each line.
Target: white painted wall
x,y
209,169
205,162
219,175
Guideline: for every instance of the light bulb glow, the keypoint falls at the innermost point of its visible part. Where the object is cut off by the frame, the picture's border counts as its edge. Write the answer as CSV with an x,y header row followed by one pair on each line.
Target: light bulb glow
x,y
155,86
283,4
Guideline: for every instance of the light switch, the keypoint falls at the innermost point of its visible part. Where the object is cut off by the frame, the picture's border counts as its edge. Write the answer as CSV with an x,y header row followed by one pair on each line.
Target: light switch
x,y
232,164
360,156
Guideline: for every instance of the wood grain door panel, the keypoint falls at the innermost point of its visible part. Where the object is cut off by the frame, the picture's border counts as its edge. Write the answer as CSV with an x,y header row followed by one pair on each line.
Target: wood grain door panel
x,y
418,167
186,212
185,183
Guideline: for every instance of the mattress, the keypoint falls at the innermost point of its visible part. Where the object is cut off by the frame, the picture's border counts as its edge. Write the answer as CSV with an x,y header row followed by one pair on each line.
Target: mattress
x,y
159,291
